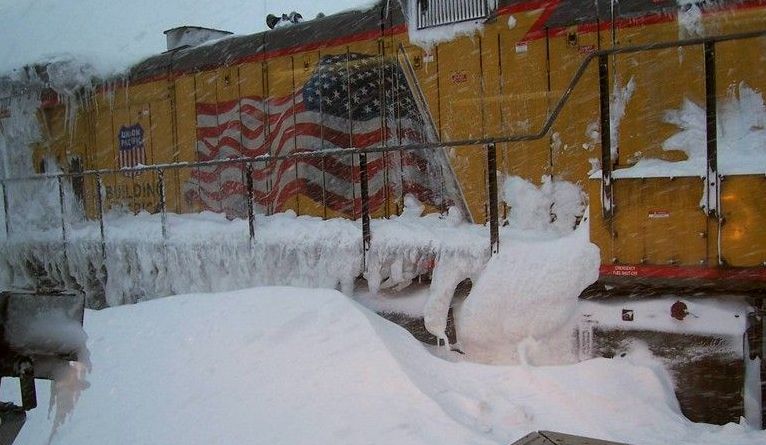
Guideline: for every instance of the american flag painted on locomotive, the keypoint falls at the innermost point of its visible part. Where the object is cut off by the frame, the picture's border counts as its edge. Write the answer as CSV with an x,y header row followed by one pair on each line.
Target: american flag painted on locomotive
x,y
351,100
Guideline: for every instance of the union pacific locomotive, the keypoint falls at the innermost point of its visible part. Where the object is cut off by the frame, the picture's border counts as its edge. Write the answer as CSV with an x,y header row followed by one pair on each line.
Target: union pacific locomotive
x,y
650,107
393,75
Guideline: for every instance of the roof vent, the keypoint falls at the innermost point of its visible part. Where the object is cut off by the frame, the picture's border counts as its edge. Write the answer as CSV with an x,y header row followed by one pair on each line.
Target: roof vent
x,y
432,13
185,36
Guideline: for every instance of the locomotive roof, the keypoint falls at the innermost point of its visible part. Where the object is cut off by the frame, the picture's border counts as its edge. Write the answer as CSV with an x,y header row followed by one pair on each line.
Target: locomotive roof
x,y
332,30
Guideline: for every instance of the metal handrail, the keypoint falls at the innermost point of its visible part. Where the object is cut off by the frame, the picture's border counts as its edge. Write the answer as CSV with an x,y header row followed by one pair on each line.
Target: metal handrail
x,y
418,146
489,144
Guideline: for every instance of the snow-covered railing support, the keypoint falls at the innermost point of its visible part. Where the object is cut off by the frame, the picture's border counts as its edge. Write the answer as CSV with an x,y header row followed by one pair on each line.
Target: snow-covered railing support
x,y
712,179
250,199
494,235
365,195
100,209
59,181
5,212
163,203
607,203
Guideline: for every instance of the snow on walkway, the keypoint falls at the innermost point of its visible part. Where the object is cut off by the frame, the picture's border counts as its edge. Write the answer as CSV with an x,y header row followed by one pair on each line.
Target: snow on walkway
x,y
293,366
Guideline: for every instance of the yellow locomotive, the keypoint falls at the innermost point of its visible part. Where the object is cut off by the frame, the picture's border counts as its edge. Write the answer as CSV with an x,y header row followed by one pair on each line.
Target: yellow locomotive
x,y
456,74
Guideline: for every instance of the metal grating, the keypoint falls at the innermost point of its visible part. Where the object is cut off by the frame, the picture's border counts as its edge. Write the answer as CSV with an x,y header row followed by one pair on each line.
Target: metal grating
x,y
432,13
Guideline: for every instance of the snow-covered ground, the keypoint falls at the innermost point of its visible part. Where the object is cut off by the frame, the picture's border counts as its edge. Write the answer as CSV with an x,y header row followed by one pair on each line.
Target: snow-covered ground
x,y
292,366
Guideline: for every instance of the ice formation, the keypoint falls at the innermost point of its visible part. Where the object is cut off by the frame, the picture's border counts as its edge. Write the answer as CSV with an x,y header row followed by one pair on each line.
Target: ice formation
x,y
207,252
537,215
37,204
410,245
203,252
66,389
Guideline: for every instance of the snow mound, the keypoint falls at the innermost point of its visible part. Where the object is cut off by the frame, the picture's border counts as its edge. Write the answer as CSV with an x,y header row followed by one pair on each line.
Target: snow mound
x,y
521,307
555,206
300,366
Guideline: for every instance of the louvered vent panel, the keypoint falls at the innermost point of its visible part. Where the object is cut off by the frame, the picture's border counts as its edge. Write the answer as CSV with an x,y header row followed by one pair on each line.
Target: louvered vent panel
x,y
444,12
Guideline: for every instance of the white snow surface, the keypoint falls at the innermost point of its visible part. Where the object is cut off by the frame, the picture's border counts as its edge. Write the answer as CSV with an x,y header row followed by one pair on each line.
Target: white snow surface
x,y
741,132
111,36
716,317
555,206
295,366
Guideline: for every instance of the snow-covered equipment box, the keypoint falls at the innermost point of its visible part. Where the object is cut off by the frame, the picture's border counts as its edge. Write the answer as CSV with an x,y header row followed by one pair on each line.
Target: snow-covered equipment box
x,y
40,330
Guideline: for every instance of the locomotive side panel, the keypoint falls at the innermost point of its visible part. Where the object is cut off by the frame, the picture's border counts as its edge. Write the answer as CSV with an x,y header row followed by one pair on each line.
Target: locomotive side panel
x,y
571,143
525,99
185,150
461,92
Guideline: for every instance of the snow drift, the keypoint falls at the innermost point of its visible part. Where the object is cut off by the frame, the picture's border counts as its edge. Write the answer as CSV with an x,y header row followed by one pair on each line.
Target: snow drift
x,y
295,366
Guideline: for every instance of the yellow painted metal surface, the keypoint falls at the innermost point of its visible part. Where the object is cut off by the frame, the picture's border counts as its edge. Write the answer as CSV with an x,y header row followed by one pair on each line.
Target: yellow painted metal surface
x,y
463,116
185,118
524,100
600,227
571,145
658,221
743,235
662,80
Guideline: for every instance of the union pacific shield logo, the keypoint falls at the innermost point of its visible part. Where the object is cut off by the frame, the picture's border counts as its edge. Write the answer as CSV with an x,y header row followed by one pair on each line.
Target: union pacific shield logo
x,y
132,150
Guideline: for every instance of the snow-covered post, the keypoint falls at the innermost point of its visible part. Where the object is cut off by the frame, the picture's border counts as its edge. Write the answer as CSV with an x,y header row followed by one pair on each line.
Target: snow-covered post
x,y
711,130
100,206
494,235
163,210
63,212
6,215
250,209
607,206
365,195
